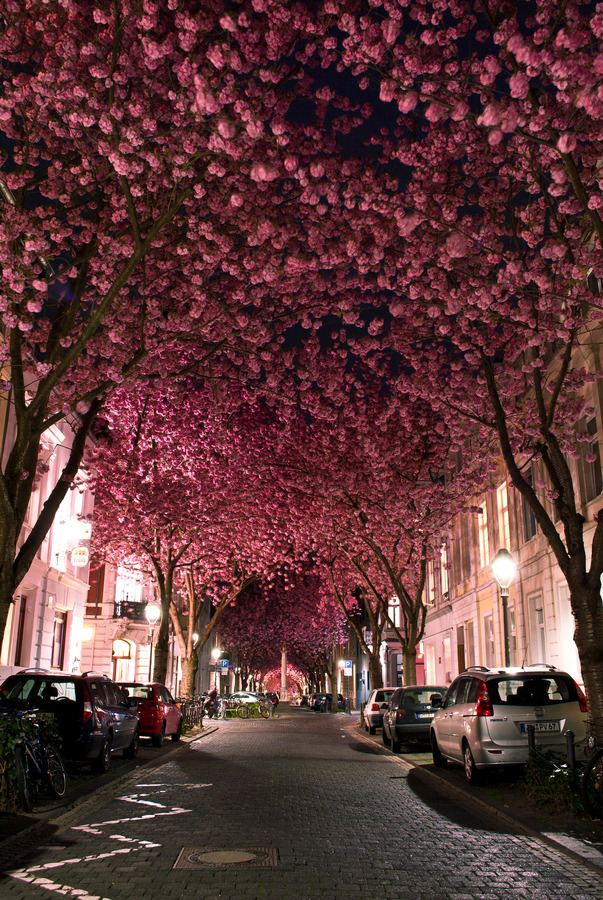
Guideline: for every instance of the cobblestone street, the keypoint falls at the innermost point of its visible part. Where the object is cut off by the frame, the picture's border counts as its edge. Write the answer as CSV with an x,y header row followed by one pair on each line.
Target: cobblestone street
x,y
299,806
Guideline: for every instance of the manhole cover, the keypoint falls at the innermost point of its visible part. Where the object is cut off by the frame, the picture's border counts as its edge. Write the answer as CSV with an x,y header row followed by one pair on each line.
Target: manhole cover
x,y
216,857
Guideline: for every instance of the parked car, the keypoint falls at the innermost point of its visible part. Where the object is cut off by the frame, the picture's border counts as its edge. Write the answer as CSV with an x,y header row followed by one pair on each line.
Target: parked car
x,y
158,712
318,701
409,714
486,712
376,705
93,714
247,696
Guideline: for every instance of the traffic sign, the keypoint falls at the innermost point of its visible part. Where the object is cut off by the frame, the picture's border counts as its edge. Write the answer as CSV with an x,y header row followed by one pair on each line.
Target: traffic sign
x,y
347,667
223,663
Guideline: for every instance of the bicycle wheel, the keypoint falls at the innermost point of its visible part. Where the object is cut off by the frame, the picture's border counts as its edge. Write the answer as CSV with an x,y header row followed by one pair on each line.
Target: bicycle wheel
x,y
55,773
592,786
21,770
264,711
243,711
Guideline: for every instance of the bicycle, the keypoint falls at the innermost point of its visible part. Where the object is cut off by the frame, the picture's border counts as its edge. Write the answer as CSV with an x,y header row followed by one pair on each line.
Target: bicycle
x,y
246,710
592,779
38,763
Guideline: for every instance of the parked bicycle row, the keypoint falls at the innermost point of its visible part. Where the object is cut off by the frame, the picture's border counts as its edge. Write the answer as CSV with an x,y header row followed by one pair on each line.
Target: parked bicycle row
x,y
242,704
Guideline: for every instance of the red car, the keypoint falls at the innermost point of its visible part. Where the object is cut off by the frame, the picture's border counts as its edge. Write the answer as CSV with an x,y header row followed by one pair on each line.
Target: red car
x,y
157,711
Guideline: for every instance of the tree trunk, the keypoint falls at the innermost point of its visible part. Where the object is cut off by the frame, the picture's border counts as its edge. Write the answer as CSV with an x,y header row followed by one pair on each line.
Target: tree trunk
x,y
410,663
187,685
588,635
375,671
334,691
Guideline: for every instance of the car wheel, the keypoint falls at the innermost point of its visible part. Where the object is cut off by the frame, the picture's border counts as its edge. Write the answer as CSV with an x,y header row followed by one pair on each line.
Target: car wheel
x,y
372,729
157,739
131,751
438,760
178,733
395,745
385,737
471,773
103,760
366,725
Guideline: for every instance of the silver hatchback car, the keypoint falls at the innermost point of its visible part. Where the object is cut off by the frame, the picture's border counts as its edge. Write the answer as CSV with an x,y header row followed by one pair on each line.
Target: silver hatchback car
x,y
486,712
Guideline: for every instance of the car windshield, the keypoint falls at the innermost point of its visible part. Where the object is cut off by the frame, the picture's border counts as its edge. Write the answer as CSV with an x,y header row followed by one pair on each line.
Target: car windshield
x,y
532,690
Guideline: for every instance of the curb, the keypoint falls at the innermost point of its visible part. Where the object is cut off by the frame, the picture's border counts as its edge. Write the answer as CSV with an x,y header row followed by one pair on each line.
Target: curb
x,y
572,847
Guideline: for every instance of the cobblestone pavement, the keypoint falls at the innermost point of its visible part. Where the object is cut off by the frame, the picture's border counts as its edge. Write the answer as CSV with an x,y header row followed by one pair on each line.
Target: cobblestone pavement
x,y
299,806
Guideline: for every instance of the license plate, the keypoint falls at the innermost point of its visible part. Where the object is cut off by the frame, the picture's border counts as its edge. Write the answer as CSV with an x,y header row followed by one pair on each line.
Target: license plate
x,y
424,716
541,726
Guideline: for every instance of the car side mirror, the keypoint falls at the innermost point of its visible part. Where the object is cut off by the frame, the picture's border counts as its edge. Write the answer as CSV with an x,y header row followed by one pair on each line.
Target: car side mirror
x,y
384,706
436,702
133,703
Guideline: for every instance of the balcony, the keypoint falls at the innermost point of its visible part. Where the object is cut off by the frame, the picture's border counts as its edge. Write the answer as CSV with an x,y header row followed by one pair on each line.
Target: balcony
x,y
130,609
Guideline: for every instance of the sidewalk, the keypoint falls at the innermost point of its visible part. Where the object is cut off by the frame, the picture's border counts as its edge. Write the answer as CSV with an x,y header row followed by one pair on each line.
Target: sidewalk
x,y
579,837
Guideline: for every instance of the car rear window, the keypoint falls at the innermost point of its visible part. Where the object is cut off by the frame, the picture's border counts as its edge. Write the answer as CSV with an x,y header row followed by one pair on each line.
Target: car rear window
x,y
532,690
409,699
383,696
139,691
43,691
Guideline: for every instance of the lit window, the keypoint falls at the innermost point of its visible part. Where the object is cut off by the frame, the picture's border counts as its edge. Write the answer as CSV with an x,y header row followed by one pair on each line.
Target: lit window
x,y
484,542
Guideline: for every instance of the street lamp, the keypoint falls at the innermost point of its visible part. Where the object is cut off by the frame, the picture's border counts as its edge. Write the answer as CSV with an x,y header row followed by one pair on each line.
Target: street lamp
x,y
152,612
216,653
504,568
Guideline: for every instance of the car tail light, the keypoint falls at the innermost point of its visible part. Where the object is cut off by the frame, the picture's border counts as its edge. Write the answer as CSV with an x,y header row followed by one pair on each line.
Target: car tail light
x,y
374,707
483,707
400,715
88,711
581,699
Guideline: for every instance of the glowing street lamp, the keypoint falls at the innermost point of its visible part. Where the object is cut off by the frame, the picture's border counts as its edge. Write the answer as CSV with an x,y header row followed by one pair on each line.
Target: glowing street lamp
x,y
504,568
152,612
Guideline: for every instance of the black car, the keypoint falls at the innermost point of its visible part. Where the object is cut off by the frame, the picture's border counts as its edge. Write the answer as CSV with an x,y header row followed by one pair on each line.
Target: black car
x,y
93,715
324,701
410,712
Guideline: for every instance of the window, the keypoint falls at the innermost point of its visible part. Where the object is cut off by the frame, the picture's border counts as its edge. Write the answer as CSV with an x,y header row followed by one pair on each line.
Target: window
x,y
502,505
469,644
537,653
444,570
483,541
460,647
512,635
94,601
591,462
58,639
489,649
393,610
429,585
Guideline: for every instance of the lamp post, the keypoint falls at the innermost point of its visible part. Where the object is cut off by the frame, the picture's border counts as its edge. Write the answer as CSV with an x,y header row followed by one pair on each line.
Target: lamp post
x,y
152,612
216,653
504,568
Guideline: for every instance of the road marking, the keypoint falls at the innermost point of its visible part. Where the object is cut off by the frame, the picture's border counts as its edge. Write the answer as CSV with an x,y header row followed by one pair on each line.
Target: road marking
x,y
29,875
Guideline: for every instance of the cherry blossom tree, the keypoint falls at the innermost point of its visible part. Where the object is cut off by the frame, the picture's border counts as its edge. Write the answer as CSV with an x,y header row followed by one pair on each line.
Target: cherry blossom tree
x,y
167,176
492,258
291,609
173,494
